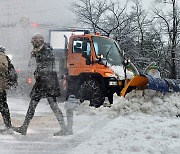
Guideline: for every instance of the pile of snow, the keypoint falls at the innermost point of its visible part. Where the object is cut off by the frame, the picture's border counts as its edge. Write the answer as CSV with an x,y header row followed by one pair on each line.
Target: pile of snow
x,y
146,102
143,122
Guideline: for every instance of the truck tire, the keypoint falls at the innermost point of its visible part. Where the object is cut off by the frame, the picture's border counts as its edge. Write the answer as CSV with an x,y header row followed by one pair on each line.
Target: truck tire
x,y
91,90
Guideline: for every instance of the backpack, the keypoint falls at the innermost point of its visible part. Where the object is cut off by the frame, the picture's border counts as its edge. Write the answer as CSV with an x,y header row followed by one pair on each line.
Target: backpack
x,y
12,74
8,75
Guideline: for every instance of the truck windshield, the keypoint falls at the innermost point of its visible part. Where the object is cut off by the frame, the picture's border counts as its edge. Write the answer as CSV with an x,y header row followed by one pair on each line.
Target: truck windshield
x,y
109,49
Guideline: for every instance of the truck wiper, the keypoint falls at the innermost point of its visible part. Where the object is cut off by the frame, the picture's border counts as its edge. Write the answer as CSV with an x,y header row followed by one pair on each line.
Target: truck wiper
x,y
108,54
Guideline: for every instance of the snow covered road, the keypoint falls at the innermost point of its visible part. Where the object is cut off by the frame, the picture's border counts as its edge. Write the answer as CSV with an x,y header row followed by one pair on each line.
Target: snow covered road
x,y
39,138
134,125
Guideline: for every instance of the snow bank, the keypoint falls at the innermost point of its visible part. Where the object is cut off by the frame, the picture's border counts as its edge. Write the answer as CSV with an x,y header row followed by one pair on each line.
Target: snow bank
x,y
145,102
148,102
143,122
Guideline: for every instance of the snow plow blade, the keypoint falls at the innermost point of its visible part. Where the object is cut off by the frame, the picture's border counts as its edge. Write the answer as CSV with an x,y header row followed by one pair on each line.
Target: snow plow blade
x,y
149,82
137,81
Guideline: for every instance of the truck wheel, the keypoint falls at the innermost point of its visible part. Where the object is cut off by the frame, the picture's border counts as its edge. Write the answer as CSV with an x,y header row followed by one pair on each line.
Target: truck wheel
x,y
91,90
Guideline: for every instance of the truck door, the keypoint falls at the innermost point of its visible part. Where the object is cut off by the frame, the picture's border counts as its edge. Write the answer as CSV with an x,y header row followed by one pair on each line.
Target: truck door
x,y
79,56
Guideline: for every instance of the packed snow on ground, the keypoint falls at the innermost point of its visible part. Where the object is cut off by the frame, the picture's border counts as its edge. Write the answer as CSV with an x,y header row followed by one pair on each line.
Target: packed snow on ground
x,y
144,122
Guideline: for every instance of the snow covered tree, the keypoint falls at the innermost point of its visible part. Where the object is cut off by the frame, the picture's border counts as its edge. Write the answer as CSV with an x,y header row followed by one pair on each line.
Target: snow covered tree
x,y
101,15
170,22
147,40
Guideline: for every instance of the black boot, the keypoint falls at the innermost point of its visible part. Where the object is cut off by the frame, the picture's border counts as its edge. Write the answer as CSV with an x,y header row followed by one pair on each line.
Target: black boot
x,y
29,115
22,129
7,119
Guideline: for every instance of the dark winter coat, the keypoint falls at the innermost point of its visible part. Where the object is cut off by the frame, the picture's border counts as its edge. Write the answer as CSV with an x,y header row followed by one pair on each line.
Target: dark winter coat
x,y
46,84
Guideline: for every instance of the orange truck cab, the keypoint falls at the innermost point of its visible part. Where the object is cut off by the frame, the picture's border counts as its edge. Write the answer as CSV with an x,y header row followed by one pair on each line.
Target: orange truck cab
x,y
90,66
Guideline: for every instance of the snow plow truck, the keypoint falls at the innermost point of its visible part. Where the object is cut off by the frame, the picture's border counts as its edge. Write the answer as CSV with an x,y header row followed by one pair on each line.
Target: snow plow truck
x,y
92,67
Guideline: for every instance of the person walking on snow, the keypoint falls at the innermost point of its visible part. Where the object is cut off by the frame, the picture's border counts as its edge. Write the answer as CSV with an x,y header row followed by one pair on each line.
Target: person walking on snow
x,y
8,78
46,85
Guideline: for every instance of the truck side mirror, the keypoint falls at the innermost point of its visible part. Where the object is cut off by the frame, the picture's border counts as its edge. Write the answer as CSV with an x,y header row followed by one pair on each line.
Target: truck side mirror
x,y
126,61
100,57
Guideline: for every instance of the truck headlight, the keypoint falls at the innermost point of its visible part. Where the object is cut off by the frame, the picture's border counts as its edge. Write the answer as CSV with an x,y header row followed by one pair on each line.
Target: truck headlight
x,y
113,83
108,74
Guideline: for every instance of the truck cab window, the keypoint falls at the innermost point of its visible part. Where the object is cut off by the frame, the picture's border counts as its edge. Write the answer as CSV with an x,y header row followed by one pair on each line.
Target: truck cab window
x,y
77,46
108,49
